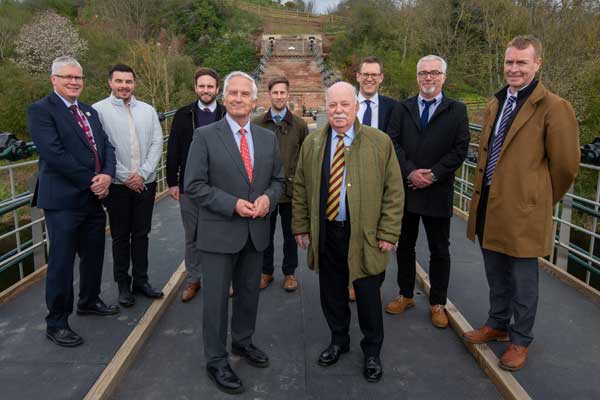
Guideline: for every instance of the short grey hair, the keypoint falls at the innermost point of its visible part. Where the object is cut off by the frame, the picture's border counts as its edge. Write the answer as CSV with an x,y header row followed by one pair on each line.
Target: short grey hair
x,y
341,83
243,75
63,61
432,57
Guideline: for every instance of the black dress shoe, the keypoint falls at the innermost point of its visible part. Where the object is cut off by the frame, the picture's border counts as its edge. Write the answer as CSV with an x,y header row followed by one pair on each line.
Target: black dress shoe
x,y
64,337
373,370
331,354
225,379
98,308
126,298
252,354
147,290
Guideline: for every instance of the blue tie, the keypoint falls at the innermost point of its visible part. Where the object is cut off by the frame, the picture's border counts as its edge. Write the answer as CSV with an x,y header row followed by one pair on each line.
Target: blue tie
x,y
425,113
499,138
277,118
368,114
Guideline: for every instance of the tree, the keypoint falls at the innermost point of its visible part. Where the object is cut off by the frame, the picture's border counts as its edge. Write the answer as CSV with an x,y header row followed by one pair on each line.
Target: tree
x,y
48,36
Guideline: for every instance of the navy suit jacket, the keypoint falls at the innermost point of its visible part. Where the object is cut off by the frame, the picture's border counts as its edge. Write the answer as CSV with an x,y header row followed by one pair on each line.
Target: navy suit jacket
x,y
386,106
66,165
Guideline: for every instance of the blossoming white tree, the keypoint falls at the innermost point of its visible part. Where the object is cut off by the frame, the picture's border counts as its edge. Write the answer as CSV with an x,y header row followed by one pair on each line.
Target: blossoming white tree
x,y
48,36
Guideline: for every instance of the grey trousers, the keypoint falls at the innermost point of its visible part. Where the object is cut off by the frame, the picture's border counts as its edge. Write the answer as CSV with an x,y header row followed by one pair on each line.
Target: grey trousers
x,y
243,270
189,215
513,286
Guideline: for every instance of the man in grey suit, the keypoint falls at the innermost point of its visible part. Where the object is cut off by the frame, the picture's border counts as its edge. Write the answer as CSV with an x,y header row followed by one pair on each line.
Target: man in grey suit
x,y
235,176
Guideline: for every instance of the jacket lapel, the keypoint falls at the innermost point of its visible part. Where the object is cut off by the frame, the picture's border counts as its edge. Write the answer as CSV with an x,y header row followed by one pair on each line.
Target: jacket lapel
x,y
226,136
260,152
67,115
524,114
413,109
383,110
441,108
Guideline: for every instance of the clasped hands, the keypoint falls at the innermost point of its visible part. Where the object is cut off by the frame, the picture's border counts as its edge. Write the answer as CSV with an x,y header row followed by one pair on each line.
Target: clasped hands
x,y
419,179
258,209
135,182
100,185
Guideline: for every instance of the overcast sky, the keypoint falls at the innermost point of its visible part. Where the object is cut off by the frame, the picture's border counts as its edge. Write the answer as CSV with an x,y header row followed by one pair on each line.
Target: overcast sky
x,y
323,5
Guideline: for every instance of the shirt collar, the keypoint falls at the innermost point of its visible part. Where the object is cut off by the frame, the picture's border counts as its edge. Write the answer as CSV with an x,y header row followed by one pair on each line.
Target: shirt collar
x,y
374,100
235,127
121,102
281,114
212,106
67,103
438,99
349,133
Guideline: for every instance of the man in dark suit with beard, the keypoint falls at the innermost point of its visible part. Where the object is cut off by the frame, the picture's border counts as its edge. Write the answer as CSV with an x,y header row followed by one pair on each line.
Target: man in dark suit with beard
x,y
431,135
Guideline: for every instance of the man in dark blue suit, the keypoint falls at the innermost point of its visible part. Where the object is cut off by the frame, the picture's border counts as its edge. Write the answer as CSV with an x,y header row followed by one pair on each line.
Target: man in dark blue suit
x,y
375,109
76,167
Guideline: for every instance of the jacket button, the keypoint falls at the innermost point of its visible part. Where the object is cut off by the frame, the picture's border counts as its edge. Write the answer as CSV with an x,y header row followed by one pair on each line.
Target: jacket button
x,y
485,149
349,185
480,169
477,192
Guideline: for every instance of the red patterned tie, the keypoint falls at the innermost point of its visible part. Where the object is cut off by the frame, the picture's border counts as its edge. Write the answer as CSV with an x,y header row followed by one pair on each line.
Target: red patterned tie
x,y
245,154
85,127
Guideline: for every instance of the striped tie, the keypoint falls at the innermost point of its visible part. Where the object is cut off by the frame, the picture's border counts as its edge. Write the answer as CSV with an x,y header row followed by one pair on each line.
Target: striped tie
x,y
499,138
335,180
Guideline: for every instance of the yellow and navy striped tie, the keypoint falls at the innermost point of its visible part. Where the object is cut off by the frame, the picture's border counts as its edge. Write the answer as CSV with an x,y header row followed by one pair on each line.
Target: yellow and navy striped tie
x,y
335,180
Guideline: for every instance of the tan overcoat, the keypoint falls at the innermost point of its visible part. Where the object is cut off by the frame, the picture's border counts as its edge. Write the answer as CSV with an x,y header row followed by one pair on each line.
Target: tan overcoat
x,y
374,191
537,165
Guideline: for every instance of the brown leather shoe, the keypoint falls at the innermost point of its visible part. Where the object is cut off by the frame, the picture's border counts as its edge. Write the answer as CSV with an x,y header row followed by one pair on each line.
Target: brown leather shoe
x,y
514,358
189,292
439,319
399,305
265,280
290,283
351,294
485,334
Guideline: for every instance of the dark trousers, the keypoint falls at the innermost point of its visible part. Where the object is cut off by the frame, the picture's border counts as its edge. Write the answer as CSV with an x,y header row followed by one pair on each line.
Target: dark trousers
x,y
290,248
130,219
438,238
78,232
219,270
513,283
333,287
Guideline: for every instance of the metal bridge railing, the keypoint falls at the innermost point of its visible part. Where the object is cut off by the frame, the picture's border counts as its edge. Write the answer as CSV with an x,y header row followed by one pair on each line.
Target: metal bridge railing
x,y
575,219
23,240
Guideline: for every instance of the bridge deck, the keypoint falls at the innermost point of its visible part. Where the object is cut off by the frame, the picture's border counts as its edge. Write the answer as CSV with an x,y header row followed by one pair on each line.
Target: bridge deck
x,y
419,361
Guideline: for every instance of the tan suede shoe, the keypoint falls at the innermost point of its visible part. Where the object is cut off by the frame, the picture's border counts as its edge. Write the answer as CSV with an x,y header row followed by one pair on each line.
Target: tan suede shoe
x,y
351,294
485,334
439,319
514,358
399,305
189,292
290,283
265,280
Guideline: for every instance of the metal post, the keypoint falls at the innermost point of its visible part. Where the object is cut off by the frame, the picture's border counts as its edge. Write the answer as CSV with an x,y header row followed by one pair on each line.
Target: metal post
x,y
564,236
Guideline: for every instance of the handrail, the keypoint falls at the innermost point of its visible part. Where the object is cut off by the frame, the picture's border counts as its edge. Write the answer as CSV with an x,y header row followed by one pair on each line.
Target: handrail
x,y
288,14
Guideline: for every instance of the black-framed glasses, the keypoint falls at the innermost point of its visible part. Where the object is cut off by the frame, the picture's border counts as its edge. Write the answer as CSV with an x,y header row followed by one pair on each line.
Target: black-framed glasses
x,y
76,78
370,76
433,74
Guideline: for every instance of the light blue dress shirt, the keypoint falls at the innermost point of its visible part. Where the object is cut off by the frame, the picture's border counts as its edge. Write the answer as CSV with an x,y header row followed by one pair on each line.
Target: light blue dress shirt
x,y
432,108
348,139
67,103
235,128
281,114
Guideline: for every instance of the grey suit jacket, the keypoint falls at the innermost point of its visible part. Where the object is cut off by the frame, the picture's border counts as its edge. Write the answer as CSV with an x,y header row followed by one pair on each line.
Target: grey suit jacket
x,y
215,178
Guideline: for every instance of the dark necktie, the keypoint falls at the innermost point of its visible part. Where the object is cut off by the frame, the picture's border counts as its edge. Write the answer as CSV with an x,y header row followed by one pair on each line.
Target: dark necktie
x,y
206,109
368,114
336,175
425,113
277,118
87,130
499,138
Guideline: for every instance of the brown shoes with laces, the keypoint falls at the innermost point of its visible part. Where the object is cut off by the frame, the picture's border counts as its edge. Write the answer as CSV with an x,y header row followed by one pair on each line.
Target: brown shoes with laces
x,y
439,319
290,283
485,334
399,305
190,291
514,358
265,280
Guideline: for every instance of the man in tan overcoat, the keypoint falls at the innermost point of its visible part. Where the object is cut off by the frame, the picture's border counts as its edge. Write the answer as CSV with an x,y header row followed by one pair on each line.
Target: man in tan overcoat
x,y
347,210
528,158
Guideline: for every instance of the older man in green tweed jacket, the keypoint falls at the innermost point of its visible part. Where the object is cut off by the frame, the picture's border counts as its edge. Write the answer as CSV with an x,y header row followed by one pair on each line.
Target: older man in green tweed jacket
x,y
347,211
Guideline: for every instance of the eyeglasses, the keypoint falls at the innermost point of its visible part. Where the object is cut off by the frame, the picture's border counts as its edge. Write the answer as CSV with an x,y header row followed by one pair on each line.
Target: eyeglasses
x,y
370,76
433,74
71,78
